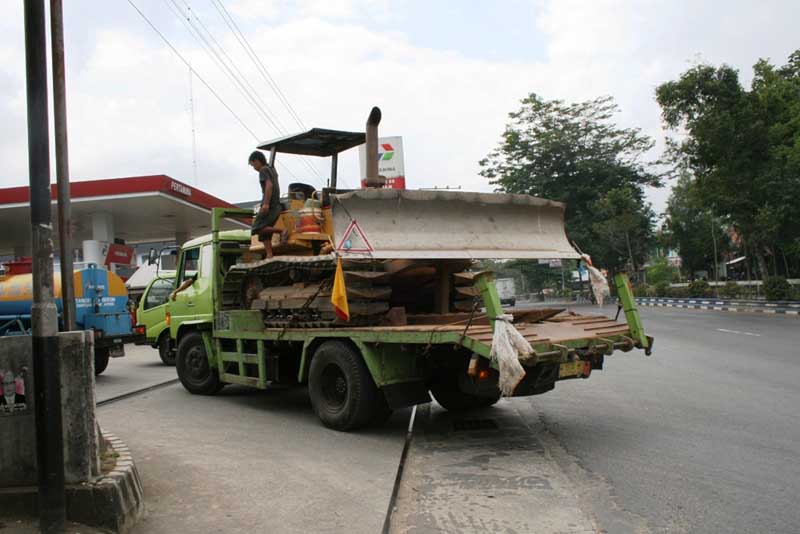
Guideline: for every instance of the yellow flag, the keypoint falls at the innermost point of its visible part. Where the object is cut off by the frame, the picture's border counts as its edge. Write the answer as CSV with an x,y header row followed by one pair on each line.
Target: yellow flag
x,y
339,294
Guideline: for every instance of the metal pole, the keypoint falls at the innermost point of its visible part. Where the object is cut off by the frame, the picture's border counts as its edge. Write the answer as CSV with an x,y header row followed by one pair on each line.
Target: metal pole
x,y
334,171
44,317
716,266
62,166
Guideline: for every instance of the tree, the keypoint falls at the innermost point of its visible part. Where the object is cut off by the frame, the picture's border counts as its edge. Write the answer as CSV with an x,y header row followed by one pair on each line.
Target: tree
x,y
573,153
692,229
661,272
743,147
624,224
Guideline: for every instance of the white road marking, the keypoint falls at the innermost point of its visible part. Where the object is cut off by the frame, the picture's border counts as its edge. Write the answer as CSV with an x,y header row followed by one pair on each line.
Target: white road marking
x,y
737,332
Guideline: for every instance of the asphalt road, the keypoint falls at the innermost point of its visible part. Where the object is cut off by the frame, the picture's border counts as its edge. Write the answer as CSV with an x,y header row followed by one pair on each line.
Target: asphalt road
x,y
139,368
703,436
246,460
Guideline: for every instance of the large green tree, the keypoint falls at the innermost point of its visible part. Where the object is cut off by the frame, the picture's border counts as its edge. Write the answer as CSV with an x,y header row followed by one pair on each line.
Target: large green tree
x,y
574,153
743,147
692,229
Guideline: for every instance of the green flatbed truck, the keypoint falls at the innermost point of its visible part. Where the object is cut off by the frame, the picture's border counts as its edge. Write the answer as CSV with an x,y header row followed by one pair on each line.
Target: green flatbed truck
x,y
356,375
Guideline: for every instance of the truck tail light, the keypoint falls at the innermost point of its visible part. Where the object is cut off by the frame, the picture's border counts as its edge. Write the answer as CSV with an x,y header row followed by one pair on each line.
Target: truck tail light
x,y
167,318
140,329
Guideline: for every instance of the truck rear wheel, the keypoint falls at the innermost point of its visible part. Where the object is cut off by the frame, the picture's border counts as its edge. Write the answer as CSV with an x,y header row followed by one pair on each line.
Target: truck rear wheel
x,y
100,360
446,393
165,350
194,371
342,391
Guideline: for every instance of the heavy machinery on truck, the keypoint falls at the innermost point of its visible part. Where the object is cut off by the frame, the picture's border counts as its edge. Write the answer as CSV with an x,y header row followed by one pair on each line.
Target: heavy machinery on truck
x,y
420,318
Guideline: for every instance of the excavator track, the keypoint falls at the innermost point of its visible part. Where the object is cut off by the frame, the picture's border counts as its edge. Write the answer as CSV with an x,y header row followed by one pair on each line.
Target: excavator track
x,y
294,291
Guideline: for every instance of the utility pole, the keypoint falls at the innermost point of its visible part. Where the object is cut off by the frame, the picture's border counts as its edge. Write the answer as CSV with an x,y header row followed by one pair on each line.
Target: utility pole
x,y
716,267
62,165
44,316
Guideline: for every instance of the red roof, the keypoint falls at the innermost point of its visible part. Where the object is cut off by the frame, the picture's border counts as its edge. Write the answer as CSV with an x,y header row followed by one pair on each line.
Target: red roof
x,y
123,186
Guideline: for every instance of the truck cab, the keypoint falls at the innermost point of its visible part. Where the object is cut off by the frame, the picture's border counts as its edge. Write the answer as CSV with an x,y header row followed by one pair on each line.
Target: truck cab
x,y
152,314
193,308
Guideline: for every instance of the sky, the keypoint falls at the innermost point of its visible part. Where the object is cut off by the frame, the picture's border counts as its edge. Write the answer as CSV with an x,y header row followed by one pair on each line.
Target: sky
x,y
445,74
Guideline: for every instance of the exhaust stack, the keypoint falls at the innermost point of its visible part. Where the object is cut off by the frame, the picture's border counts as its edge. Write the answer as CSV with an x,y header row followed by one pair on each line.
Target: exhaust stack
x,y
373,179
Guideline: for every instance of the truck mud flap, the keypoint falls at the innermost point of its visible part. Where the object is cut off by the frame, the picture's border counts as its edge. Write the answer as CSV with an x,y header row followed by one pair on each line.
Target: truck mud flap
x,y
539,379
404,394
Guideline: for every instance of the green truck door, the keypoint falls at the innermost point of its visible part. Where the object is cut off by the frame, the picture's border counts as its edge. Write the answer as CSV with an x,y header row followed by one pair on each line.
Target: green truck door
x,y
153,309
193,305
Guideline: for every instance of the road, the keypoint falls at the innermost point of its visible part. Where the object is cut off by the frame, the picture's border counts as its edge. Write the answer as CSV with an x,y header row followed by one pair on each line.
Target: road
x,y
703,436
246,460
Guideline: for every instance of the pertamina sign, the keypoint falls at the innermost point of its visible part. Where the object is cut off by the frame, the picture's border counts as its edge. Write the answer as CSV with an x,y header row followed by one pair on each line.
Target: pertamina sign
x,y
390,162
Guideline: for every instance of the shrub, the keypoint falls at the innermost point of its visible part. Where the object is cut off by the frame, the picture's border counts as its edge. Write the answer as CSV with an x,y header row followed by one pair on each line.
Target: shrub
x,y
699,289
678,292
777,288
731,290
661,271
661,289
641,290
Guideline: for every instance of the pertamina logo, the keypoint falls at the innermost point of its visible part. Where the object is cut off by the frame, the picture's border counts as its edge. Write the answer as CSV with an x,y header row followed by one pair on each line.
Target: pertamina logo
x,y
386,152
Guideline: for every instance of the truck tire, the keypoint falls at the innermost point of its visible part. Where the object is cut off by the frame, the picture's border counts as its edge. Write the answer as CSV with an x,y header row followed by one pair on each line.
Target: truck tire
x,y
446,393
165,350
342,391
100,360
193,368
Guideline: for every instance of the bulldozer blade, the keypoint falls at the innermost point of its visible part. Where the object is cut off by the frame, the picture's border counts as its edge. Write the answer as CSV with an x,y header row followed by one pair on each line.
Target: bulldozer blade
x,y
391,224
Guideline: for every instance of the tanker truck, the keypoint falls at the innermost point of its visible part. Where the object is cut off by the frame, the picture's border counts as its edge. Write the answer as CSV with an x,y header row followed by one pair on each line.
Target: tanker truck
x,y
374,301
101,305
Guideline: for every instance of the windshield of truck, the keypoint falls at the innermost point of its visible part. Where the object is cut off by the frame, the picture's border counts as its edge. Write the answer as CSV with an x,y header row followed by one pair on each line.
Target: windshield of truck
x,y
158,294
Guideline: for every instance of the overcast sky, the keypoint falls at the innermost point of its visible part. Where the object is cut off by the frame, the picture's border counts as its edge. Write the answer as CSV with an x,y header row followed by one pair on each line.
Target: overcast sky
x,y
445,74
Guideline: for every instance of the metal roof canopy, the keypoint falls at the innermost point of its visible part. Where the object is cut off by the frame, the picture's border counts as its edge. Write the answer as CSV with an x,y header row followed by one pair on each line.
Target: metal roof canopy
x,y
315,142
144,209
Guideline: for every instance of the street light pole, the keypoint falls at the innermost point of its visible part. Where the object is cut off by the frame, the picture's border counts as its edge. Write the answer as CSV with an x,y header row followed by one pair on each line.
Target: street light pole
x,y
62,165
44,316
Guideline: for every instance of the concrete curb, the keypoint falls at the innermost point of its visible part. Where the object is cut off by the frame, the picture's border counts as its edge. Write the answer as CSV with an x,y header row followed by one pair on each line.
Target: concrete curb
x,y
114,502
721,305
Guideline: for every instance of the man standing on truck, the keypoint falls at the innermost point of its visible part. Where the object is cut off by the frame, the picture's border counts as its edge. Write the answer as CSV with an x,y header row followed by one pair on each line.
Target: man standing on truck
x,y
270,201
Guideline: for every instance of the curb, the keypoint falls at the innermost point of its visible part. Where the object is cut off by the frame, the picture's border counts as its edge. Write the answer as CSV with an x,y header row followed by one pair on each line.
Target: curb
x,y
714,305
113,502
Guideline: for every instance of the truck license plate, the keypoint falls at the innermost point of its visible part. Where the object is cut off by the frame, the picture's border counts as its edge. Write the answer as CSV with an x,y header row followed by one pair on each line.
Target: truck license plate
x,y
570,369
116,352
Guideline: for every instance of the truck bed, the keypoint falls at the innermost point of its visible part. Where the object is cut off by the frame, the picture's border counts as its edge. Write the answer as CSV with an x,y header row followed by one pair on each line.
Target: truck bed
x,y
552,339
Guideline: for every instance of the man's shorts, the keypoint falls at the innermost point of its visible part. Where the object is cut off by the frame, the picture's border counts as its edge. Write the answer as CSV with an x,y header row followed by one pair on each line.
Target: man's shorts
x,y
264,220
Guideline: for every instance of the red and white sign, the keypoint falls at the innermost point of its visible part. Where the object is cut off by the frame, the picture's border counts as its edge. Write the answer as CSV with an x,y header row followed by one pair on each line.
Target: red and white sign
x,y
390,162
119,254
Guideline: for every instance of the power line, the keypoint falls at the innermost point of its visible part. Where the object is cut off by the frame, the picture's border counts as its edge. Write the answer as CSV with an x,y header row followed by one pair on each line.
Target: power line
x,y
260,67
220,63
259,64
202,80
199,77
273,119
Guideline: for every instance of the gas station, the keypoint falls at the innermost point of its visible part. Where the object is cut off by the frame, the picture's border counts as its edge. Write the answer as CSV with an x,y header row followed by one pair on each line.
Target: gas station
x,y
110,217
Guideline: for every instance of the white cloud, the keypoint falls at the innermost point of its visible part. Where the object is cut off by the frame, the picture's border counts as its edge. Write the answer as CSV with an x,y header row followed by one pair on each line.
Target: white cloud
x,y
128,94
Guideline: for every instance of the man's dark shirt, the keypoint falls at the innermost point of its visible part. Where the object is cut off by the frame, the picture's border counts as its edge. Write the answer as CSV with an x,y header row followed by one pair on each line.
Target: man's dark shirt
x,y
268,172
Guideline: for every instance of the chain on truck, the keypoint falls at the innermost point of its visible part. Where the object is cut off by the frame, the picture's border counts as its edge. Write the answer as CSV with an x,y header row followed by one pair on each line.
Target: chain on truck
x,y
421,320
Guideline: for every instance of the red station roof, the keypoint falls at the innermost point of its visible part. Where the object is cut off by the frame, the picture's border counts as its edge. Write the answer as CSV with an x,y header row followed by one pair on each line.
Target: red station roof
x,y
143,208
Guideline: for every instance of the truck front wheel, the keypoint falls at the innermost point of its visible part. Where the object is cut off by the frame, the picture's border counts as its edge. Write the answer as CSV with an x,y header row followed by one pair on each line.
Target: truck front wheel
x,y
100,360
165,350
447,393
342,391
193,368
